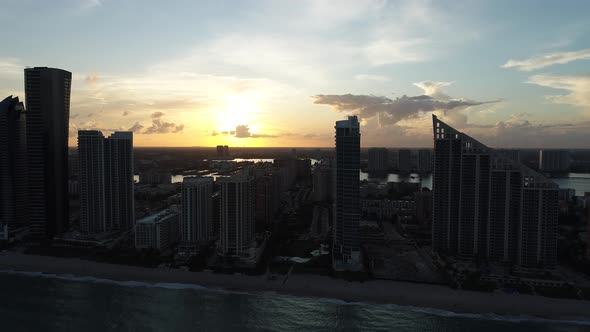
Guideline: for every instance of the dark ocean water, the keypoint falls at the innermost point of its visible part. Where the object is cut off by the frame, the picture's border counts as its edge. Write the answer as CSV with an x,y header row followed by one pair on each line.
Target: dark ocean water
x,y
30,302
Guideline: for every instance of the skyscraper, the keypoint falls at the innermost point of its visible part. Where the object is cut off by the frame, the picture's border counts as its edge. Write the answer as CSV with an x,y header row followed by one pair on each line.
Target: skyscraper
x,y
346,251
424,160
197,209
120,204
236,215
47,94
106,182
91,179
13,177
489,206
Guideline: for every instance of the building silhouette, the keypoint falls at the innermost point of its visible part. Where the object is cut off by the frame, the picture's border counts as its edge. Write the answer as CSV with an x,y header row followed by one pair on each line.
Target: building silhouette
x,y
346,250
47,95
551,160
105,182
197,210
404,160
490,207
236,215
13,176
424,160
378,160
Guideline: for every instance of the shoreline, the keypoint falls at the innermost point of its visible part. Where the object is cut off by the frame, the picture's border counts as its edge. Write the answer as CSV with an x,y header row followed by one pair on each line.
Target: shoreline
x,y
416,296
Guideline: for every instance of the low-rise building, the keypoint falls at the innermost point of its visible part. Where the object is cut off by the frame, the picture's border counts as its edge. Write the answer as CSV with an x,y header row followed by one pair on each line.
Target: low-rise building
x,y
158,231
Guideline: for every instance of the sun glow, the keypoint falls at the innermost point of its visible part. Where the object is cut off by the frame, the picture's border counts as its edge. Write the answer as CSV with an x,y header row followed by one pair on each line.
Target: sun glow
x,y
239,110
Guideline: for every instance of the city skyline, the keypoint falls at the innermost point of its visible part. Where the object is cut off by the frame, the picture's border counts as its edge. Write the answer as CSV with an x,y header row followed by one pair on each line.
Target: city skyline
x,y
251,74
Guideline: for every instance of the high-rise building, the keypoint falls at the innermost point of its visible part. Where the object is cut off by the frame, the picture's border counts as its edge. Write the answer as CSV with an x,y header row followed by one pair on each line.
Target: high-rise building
x,y
236,215
346,250
91,182
222,151
490,207
425,160
13,176
197,210
423,207
106,182
404,160
323,182
47,95
120,203
378,160
554,160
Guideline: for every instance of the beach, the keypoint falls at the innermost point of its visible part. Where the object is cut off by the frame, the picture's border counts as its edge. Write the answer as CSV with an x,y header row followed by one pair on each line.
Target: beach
x,y
315,286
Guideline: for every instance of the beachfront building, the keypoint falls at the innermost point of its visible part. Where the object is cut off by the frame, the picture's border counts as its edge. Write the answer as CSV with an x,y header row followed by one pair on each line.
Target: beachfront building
x,y
47,96
13,176
105,182
490,207
378,160
158,231
236,215
197,210
323,182
346,248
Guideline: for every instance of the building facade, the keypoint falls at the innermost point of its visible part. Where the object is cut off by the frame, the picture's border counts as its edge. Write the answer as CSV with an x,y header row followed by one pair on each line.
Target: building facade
x,y
346,248
13,167
197,210
105,182
47,95
159,231
378,160
490,207
236,215
554,160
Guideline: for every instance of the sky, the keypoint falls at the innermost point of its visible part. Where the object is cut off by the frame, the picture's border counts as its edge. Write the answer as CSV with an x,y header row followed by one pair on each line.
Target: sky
x,y
280,73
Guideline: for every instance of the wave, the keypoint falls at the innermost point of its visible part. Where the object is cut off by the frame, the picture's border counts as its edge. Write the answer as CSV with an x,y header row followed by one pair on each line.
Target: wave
x,y
396,307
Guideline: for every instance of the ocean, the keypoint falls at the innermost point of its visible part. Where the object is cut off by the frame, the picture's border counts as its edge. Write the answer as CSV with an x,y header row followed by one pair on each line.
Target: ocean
x,y
37,302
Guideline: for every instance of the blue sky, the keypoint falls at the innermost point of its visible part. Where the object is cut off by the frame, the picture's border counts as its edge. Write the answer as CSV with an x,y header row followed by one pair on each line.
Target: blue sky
x,y
279,73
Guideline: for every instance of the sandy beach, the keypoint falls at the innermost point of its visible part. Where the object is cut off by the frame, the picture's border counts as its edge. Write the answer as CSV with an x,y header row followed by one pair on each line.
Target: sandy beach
x,y
376,291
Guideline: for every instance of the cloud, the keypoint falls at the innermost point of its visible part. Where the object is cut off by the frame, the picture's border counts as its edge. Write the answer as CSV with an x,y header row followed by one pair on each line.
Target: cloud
x,y
157,115
136,128
391,111
547,60
125,113
578,88
243,131
161,127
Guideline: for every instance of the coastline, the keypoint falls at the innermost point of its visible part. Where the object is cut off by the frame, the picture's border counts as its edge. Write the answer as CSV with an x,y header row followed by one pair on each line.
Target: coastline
x,y
314,286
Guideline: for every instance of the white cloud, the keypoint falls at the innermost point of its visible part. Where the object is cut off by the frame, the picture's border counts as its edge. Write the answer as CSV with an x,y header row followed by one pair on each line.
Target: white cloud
x,y
547,60
578,88
369,77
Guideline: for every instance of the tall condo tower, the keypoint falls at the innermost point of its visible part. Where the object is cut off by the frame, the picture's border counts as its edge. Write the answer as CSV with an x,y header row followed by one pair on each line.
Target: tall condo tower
x,y
236,215
489,206
47,95
346,251
197,209
13,176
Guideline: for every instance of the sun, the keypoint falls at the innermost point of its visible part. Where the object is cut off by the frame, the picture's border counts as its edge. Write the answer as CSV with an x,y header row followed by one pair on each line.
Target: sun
x,y
239,110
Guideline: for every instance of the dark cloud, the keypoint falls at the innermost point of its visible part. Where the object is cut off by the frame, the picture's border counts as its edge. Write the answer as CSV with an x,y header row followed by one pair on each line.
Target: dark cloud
x,y
243,131
161,127
125,113
157,115
136,128
391,111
